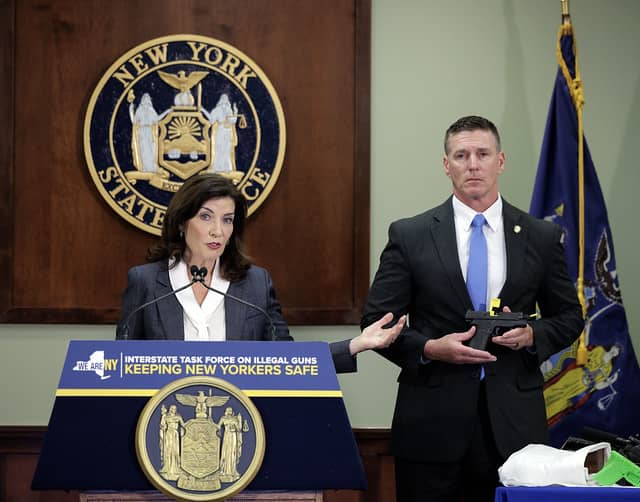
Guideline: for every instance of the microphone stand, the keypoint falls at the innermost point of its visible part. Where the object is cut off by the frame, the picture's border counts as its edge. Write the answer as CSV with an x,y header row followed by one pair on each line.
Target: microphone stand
x,y
123,329
199,274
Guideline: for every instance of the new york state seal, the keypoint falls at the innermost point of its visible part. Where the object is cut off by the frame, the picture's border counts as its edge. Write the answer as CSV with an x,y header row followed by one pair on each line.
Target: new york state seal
x,y
200,439
175,107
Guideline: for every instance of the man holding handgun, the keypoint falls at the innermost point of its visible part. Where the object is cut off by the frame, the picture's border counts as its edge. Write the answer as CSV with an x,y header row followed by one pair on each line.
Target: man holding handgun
x,y
461,411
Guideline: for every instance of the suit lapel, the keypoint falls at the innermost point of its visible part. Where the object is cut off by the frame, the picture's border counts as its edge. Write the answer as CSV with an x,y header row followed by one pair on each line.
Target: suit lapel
x,y
235,312
169,309
443,231
516,235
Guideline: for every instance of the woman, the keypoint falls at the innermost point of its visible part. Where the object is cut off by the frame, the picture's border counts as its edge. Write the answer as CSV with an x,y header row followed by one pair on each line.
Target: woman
x,y
204,227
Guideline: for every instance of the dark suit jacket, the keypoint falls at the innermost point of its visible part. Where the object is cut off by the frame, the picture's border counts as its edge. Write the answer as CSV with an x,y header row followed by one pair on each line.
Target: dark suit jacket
x,y
164,320
420,274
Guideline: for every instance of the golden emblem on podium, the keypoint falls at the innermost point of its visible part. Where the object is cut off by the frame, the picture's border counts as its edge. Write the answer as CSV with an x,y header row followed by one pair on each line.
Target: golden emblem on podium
x,y
200,439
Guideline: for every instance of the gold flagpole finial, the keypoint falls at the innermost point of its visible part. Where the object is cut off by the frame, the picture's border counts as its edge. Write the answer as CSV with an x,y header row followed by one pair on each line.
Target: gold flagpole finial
x,y
566,18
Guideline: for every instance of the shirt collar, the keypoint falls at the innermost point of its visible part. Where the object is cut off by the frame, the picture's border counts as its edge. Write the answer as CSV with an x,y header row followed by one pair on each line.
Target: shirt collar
x,y
464,214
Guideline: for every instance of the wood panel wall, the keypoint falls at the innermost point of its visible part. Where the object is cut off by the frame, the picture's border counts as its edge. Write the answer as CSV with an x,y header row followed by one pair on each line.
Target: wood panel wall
x,y
65,252
20,447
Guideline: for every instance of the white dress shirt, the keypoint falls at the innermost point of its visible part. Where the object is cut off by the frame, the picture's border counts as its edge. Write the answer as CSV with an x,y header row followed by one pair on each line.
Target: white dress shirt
x,y
204,322
494,234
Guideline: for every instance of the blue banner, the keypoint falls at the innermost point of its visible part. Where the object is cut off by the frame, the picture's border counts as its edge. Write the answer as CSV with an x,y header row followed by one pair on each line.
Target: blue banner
x,y
603,393
140,368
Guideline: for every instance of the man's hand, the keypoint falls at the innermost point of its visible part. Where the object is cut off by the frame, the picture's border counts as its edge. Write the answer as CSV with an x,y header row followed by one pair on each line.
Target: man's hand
x,y
375,336
515,338
451,349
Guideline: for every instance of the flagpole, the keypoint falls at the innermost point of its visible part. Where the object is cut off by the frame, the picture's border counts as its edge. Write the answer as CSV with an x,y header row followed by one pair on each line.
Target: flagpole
x,y
566,19
577,95
596,387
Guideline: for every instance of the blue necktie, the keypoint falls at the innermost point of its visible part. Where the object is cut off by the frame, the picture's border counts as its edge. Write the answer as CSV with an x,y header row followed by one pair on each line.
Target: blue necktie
x,y
477,266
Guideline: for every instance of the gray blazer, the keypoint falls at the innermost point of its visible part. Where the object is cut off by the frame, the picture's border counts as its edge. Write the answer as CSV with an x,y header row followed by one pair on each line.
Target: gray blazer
x,y
164,320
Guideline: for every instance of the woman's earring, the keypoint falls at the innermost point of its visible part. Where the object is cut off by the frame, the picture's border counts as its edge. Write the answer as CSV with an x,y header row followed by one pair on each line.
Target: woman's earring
x,y
181,234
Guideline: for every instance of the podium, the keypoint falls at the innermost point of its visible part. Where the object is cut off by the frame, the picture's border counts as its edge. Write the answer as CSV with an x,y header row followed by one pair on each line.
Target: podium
x,y
105,385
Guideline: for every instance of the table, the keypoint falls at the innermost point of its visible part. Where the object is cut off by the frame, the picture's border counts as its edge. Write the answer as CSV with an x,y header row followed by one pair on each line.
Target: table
x,y
566,494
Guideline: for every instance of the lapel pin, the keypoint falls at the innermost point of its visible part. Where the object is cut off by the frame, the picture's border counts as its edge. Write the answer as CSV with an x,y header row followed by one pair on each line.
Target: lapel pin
x,y
517,229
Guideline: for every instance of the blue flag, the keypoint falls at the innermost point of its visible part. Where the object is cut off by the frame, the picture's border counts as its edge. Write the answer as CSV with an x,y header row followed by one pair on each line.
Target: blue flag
x,y
602,392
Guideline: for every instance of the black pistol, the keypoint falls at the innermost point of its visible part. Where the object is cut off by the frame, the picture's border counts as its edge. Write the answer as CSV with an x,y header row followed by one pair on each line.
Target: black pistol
x,y
489,325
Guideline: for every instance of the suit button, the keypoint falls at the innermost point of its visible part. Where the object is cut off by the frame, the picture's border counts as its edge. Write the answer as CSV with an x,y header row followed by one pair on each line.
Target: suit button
x,y
475,374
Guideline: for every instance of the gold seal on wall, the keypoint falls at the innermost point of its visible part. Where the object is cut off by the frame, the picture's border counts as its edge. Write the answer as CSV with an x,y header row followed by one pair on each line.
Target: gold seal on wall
x,y
200,439
176,107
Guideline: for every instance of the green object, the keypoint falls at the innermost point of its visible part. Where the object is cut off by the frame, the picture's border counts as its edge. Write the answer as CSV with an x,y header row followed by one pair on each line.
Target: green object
x,y
617,468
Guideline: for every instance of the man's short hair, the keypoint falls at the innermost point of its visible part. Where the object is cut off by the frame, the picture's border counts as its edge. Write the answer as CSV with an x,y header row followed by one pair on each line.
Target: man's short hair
x,y
471,123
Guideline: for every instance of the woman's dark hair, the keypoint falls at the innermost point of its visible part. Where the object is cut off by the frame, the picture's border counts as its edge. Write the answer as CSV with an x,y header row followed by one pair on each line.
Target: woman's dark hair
x,y
185,204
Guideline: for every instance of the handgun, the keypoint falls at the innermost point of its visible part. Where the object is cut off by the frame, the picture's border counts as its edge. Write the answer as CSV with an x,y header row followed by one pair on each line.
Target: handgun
x,y
489,325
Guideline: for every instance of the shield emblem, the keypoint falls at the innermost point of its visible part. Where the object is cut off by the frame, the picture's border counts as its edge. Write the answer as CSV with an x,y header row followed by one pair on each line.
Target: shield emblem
x,y
200,454
184,142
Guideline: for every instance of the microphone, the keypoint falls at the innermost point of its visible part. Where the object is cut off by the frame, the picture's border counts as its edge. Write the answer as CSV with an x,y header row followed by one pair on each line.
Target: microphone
x,y
122,331
199,274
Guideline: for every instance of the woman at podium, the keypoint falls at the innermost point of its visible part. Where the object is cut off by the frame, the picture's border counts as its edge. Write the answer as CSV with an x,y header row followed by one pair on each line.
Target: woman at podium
x,y
199,284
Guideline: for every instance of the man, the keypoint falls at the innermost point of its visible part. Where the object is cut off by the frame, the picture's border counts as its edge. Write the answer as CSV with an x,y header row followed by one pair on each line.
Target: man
x,y
460,412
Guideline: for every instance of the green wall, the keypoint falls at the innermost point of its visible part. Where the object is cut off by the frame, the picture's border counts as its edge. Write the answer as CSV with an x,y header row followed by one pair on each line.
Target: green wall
x,y
434,61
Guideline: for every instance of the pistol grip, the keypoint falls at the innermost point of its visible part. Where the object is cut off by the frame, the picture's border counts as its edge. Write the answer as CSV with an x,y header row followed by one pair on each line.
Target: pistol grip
x,y
480,339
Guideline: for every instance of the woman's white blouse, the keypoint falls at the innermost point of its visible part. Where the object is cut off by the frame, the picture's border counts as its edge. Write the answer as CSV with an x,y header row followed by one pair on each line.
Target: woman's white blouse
x,y
204,322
